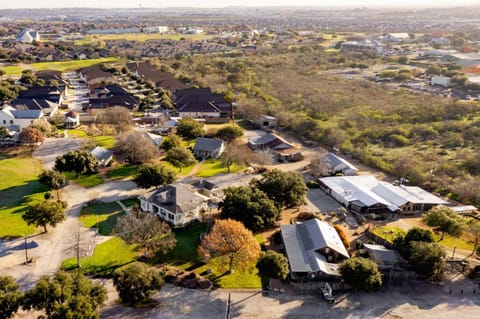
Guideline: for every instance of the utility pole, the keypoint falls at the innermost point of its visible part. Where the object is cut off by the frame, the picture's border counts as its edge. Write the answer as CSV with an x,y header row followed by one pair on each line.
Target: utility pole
x,y
26,251
78,246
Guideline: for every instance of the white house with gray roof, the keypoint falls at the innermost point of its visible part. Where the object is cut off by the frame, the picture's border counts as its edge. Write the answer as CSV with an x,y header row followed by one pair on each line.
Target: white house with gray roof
x,y
314,250
28,36
16,120
339,165
208,148
178,204
103,156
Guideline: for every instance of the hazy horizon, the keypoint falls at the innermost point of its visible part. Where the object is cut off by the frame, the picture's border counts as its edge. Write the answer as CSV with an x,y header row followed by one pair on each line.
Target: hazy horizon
x,y
31,4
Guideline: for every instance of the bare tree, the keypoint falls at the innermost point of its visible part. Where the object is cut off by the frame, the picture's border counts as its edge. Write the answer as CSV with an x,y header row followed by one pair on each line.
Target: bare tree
x,y
136,148
117,116
263,157
320,166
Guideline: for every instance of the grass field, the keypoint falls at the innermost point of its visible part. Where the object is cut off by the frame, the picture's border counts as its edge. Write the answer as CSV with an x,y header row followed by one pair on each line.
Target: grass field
x,y
388,233
184,172
130,201
85,180
58,65
210,168
18,187
77,133
140,37
103,215
185,256
106,258
105,141
122,171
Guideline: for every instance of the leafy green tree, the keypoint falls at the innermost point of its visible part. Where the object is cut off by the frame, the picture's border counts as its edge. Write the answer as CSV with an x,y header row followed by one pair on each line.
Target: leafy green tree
x,y
28,77
249,205
230,243
426,258
151,175
284,188
180,157
146,230
230,133
80,162
414,234
170,142
11,297
137,282
361,273
189,128
445,220
52,179
273,265
3,132
44,213
66,295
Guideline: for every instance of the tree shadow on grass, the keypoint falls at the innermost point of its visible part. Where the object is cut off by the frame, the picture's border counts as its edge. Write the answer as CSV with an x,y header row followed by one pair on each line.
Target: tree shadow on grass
x,y
18,195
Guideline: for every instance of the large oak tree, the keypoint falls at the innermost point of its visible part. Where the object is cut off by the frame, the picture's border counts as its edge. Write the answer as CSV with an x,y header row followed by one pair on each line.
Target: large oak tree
x,y
45,213
80,162
230,244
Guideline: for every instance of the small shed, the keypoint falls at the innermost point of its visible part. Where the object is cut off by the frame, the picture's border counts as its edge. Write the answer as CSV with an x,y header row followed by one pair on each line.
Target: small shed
x,y
383,257
103,156
72,120
208,148
267,121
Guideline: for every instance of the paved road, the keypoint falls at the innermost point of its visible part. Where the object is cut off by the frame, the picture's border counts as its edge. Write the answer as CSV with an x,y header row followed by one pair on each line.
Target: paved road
x,y
53,147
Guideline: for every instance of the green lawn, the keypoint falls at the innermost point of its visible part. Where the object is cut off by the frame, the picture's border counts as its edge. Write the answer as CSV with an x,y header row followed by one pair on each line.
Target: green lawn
x,y
122,171
452,242
19,186
184,172
105,141
77,133
103,215
131,202
140,37
106,258
210,168
85,180
185,256
58,65
388,233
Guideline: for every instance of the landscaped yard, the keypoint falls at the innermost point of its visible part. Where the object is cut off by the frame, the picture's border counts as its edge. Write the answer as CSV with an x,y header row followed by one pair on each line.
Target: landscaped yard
x,y
185,256
388,233
122,171
103,215
19,186
85,180
184,172
130,201
106,258
210,168
77,133
105,141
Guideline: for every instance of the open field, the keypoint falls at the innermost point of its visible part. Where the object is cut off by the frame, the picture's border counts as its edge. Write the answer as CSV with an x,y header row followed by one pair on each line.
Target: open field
x,y
103,215
57,66
18,187
105,141
141,37
85,180
106,258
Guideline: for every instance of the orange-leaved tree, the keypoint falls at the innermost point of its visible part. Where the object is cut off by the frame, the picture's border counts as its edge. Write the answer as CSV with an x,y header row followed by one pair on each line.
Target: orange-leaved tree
x,y
230,243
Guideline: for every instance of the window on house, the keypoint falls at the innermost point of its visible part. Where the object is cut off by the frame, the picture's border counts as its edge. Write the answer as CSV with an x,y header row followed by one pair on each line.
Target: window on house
x,y
171,216
4,121
11,121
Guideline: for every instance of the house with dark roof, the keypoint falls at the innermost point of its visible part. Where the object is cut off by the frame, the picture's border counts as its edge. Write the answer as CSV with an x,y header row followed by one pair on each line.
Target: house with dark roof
x,y
48,107
94,75
202,103
50,93
386,259
208,148
314,250
178,204
112,95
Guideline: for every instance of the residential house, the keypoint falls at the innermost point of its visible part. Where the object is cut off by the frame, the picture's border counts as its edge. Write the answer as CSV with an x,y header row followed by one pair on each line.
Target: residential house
x,y
103,156
441,80
162,79
464,59
202,103
16,120
314,250
71,120
94,75
366,195
50,93
283,150
208,148
366,45
28,36
112,95
178,204
397,37
49,108
339,165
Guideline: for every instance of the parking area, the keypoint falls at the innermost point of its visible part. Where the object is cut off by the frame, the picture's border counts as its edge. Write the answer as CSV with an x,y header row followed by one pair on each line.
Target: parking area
x,y
318,200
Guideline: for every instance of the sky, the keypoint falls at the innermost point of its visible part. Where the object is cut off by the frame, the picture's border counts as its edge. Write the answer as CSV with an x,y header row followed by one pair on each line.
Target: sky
x,y
5,4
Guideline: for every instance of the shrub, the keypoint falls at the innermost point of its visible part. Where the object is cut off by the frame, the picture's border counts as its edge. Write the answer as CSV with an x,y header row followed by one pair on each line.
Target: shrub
x,y
342,235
